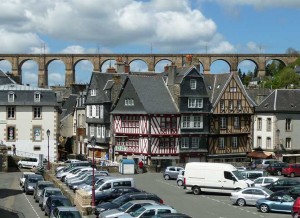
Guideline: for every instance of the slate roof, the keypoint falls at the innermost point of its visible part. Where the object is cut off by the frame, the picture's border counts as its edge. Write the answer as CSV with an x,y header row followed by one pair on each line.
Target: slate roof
x,y
5,79
24,95
258,94
101,82
281,100
69,106
153,95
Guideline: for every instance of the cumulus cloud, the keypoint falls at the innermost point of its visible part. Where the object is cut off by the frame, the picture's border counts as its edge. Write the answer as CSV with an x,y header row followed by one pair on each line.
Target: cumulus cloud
x,y
167,24
254,47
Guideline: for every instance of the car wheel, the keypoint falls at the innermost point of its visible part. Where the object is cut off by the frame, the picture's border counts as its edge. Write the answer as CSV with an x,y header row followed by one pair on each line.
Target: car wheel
x,y
20,165
179,182
295,215
279,173
196,190
292,174
36,200
241,202
264,208
167,177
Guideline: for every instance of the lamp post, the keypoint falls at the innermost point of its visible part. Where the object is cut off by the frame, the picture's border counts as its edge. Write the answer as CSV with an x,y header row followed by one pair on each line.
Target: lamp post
x,y
93,141
48,134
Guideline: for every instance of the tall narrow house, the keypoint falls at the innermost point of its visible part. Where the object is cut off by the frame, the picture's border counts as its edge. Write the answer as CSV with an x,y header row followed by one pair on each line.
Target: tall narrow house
x,y
230,125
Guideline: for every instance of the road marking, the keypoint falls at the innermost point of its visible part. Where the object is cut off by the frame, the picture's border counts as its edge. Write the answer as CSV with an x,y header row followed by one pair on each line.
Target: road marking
x,y
30,204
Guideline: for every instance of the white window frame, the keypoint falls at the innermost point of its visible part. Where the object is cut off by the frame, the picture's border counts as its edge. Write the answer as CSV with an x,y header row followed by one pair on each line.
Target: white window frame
x,y
234,142
98,131
230,105
103,132
259,141
288,142
259,123
269,124
223,123
37,97
221,144
239,104
193,84
198,123
92,130
232,89
101,111
195,142
129,102
11,97
93,92
184,142
97,111
195,103
11,112
236,122
186,121
268,142
39,112
222,105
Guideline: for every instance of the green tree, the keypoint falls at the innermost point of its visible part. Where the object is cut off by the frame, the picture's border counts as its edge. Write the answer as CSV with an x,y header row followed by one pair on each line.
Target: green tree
x,y
255,72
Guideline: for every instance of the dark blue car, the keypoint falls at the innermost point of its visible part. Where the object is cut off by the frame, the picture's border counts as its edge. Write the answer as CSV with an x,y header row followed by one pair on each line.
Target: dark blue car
x,y
56,201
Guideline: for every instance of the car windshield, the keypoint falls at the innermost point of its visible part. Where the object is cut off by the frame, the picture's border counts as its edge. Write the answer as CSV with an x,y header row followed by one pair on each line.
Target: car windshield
x,y
69,214
99,184
288,198
238,175
42,186
48,193
62,202
34,180
138,212
120,200
268,191
125,206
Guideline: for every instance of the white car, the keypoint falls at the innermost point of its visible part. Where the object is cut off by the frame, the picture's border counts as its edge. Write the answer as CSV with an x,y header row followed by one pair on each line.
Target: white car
x,y
149,211
46,193
265,180
23,177
31,162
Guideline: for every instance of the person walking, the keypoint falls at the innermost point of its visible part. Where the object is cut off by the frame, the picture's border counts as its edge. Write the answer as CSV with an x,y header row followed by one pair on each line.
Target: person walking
x,y
141,166
14,150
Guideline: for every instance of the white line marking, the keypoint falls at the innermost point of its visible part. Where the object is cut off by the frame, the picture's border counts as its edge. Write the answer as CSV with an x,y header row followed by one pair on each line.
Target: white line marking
x,y
30,204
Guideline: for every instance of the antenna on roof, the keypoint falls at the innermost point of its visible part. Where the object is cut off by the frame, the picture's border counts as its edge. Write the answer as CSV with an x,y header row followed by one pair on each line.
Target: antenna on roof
x,y
151,48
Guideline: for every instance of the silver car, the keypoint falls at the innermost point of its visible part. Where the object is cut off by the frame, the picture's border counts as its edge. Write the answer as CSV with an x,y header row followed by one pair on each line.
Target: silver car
x,y
249,196
149,211
171,172
180,178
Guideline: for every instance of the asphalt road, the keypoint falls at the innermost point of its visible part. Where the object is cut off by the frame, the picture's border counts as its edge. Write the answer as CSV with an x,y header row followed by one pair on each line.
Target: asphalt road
x,y
197,206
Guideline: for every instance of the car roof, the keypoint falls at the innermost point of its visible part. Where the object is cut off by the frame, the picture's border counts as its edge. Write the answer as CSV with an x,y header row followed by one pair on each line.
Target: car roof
x,y
52,189
28,173
58,197
67,209
179,215
143,201
157,206
44,182
35,175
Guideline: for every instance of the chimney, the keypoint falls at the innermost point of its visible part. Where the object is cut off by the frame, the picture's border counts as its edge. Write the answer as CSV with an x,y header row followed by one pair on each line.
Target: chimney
x,y
111,70
171,74
120,65
127,68
188,60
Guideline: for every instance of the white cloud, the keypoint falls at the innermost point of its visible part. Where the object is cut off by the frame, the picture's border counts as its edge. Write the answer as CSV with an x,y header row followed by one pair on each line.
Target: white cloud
x,y
74,49
56,79
29,78
255,48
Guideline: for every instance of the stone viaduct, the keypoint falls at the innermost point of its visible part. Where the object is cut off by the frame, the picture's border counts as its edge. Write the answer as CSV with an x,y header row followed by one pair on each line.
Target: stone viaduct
x,y
97,60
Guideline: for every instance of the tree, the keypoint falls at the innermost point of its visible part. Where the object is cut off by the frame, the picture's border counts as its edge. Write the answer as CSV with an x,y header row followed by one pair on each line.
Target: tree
x,y
292,51
255,74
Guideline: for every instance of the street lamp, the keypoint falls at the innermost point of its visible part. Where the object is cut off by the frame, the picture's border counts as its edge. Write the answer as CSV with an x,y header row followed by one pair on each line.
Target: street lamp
x,y
93,141
48,134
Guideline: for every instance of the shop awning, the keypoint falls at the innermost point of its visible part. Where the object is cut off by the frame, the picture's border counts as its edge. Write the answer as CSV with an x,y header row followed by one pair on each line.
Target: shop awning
x,y
261,154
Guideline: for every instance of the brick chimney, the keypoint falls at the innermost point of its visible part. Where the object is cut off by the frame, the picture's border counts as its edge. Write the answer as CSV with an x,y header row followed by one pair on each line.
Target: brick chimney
x,y
171,74
111,69
127,68
188,60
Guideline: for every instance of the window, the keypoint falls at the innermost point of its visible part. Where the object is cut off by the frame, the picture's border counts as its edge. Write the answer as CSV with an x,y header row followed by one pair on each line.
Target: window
x,y
11,113
288,143
222,105
90,110
185,122
230,105
37,133
97,111
268,142
221,143
36,148
195,103
37,112
195,142
193,84
168,122
239,104
129,102
37,97
198,121
11,97
234,142
232,89
192,122
259,124
269,123
11,133
223,123
92,132
258,141
167,142
130,122
236,122
185,142
288,124
93,92
101,111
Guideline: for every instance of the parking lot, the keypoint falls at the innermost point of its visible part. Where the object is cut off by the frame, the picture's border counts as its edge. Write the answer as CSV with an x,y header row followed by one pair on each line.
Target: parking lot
x,y
206,205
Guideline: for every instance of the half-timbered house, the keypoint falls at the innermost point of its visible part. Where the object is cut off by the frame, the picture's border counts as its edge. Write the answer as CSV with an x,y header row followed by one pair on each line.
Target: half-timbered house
x,y
231,118
146,121
189,92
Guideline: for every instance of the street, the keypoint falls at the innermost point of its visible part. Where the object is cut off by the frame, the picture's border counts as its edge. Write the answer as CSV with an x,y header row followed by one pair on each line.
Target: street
x,y
198,206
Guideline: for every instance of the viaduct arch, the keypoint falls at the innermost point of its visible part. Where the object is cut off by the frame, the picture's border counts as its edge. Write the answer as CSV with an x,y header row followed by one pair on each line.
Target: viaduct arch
x,y
70,61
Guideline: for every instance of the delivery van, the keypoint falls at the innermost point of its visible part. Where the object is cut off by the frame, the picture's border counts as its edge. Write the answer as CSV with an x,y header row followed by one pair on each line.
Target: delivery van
x,y
213,177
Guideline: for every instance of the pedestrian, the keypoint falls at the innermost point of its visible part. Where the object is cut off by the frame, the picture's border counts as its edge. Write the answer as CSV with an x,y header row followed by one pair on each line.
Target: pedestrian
x,y
14,150
141,166
253,165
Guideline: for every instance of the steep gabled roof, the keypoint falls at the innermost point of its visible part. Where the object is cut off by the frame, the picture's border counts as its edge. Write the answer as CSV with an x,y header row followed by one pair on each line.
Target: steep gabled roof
x,y
69,106
152,93
281,100
5,79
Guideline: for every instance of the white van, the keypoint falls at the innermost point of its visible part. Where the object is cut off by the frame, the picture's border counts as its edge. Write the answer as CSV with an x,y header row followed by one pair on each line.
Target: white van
x,y
213,177
109,183
29,162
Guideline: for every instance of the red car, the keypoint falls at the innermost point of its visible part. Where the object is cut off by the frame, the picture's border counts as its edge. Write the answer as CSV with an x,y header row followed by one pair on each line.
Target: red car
x,y
296,208
291,170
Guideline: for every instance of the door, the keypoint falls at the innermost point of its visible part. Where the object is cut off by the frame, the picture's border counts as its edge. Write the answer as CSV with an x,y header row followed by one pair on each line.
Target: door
x,y
227,183
257,194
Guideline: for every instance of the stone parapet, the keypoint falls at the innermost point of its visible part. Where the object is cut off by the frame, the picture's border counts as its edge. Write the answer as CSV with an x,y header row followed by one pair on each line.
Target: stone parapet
x,y
3,159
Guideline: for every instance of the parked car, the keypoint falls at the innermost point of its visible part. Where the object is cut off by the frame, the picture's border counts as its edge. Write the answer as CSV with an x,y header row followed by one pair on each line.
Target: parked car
x,y
46,193
56,201
28,162
249,196
291,170
253,174
180,178
85,182
78,173
275,168
62,212
23,177
127,197
150,211
31,181
296,209
293,191
263,163
171,215
128,207
40,185
171,172
276,202
241,168
113,193
282,184
264,180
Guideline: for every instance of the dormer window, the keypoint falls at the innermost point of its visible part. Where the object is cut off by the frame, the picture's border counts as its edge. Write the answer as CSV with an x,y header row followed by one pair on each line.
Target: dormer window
x,y
11,97
129,102
37,97
93,92
193,84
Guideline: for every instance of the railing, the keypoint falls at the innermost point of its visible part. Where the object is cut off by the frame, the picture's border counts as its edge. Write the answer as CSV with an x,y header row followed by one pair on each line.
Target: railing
x,y
24,154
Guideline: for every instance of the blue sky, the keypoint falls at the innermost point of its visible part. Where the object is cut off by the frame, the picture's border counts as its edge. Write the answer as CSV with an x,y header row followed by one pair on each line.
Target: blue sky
x,y
132,26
